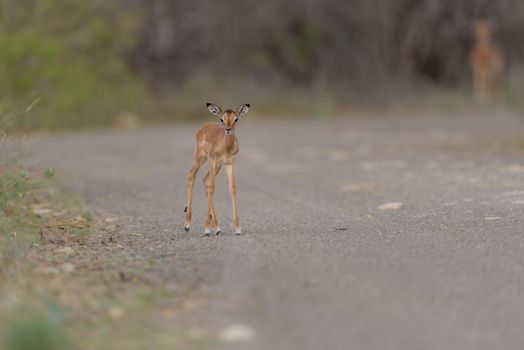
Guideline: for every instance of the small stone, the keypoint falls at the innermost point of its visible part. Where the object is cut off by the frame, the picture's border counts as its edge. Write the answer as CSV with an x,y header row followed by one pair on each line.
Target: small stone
x,y
390,206
67,267
116,312
236,333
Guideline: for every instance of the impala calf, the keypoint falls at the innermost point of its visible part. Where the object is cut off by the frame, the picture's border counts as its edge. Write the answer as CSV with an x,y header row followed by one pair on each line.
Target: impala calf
x,y
217,143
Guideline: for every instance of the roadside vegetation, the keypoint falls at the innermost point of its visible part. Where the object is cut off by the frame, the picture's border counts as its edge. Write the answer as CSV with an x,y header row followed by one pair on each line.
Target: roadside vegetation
x,y
117,63
33,213
71,54
65,280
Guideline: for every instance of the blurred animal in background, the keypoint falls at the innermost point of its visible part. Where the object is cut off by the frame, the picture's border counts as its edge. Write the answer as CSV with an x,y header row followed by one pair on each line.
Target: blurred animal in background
x,y
487,63
217,143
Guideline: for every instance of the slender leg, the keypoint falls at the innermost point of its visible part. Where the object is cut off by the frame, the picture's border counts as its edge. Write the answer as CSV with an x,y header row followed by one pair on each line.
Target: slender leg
x,y
199,160
481,86
214,220
210,190
233,190
490,87
476,84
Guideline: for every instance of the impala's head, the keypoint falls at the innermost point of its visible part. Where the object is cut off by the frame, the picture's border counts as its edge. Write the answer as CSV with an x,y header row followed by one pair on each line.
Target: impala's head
x,y
229,117
483,29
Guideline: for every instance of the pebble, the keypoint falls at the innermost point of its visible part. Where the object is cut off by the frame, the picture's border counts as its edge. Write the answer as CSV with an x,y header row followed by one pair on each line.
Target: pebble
x,y
390,206
67,267
236,333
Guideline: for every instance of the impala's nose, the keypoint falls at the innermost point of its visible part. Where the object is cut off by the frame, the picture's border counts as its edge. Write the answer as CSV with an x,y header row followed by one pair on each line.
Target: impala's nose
x,y
229,131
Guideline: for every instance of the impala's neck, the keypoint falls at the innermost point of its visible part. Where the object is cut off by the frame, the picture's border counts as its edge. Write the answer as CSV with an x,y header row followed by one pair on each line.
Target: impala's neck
x,y
484,40
229,140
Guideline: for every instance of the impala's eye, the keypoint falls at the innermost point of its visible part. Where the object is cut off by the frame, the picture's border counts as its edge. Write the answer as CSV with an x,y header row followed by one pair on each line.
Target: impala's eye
x,y
222,120
236,119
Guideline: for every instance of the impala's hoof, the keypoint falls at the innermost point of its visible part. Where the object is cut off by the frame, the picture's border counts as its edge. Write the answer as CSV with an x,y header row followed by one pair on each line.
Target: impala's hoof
x,y
207,232
219,231
238,231
186,228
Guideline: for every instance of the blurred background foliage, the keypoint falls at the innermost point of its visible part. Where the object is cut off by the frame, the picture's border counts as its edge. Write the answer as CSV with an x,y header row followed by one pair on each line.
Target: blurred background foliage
x,y
96,61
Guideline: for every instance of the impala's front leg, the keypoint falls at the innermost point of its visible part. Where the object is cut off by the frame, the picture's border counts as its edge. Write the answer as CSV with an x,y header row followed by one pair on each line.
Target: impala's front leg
x,y
210,190
214,220
191,181
233,190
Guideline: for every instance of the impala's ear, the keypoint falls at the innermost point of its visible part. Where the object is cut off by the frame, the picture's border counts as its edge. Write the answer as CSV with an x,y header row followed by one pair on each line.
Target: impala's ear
x,y
216,110
243,109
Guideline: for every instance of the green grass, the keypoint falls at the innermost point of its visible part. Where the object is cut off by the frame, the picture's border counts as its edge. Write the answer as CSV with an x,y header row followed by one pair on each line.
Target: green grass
x,y
43,330
23,328
76,89
58,311
12,187
45,307
72,55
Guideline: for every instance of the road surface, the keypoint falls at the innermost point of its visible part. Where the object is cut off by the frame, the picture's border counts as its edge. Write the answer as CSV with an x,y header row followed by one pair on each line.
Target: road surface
x,y
394,232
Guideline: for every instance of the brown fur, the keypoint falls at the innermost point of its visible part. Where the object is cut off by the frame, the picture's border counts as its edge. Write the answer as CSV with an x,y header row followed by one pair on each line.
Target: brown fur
x,y
214,145
486,62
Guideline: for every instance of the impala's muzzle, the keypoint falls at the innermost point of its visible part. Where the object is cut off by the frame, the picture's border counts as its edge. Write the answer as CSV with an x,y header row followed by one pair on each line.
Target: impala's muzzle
x,y
229,131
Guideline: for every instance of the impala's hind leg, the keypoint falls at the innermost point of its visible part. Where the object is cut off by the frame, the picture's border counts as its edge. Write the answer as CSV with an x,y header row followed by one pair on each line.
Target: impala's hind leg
x,y
199,160
210,190
214,220
233,191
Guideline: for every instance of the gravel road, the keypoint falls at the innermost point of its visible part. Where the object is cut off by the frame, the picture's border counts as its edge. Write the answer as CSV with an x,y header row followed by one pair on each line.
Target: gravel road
x,y
392,232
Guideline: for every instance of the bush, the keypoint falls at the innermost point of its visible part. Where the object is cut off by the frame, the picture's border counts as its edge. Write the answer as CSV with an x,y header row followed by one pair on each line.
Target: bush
x,y
36,330
76,90
72,56
12,187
